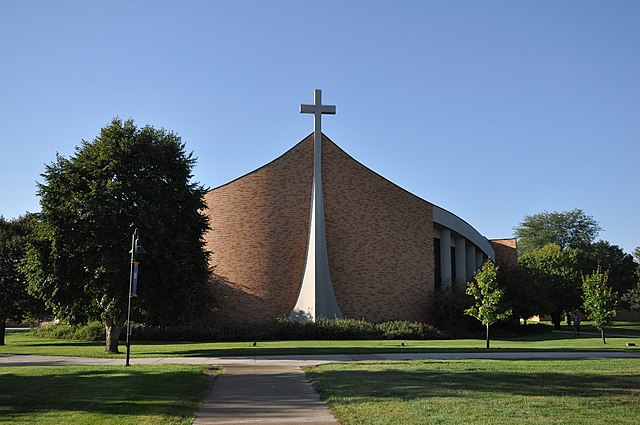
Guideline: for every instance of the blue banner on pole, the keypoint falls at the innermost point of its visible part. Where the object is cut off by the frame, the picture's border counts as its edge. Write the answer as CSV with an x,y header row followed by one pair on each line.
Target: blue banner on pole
x,y
134,287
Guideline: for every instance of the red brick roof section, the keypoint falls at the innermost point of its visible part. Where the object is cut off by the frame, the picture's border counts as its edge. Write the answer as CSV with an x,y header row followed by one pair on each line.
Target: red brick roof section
x,y
506,252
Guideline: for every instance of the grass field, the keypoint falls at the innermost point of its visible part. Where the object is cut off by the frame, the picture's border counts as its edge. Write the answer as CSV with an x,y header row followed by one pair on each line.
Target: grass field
x,y
21,343
599,391
159,394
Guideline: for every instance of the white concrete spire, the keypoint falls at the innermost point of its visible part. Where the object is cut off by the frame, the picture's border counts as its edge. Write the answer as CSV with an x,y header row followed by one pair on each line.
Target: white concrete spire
x,y
316,298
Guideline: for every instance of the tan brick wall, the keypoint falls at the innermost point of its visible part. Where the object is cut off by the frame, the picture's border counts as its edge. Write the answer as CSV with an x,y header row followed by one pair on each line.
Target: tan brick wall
x,y
380,242
506,252
258,238
379,238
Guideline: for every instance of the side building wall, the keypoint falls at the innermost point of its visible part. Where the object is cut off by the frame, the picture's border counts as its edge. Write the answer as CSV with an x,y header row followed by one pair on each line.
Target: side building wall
x,y
506,252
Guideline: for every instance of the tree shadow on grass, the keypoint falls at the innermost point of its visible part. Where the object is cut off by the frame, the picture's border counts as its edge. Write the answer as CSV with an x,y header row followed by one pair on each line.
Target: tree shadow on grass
x,y
346,350
397,382
102,390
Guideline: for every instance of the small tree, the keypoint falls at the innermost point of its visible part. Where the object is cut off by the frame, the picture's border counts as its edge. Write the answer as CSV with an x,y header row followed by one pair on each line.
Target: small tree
x,y
488,295
599,300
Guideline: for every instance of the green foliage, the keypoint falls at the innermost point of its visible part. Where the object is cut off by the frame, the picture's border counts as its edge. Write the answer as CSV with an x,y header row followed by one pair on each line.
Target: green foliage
x,y
555,273
15,302
448,312
125,178
92,331
275,330
620,265
566,229
488,296
632,298
408,330
524,292
599,299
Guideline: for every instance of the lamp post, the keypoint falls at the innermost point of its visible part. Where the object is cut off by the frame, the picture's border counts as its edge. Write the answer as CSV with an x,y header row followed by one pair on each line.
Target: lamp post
x,y
136,250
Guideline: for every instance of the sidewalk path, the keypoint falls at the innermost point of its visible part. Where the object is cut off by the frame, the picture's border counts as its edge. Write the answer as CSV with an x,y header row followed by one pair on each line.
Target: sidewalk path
x,y
298,361
274,394
273,389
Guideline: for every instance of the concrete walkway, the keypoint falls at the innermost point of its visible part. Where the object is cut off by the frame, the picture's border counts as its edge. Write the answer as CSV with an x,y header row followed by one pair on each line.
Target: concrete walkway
x,y
273,389
275,394
298,361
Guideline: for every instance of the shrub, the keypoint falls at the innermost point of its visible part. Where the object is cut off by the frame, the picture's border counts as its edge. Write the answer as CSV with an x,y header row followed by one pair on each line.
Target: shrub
x,y
93,331
281,329
448,313
409,330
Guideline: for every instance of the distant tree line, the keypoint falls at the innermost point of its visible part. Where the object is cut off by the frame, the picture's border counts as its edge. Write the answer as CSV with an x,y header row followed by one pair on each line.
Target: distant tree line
x,y
561,269
556,251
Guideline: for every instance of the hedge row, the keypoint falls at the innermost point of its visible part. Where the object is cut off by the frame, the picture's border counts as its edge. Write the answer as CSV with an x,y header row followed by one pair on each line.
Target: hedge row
x,y
93,331
275,330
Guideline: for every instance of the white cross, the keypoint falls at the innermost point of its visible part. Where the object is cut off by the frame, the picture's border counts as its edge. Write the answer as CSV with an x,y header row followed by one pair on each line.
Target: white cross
x,y
317,109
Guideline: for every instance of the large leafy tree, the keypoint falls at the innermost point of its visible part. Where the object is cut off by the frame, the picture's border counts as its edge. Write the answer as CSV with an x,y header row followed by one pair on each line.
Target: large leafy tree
x,y
127,177
488,297
566,229
524,292
15,302
631,298
600,300
620,266
556,273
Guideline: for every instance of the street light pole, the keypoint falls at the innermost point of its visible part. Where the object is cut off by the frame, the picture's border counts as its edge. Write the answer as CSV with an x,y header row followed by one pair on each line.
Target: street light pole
x,y
136,248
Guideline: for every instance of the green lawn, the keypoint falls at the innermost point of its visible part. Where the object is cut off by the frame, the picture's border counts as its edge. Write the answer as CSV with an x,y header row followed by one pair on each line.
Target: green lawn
x,y
159,394
21,343
599,391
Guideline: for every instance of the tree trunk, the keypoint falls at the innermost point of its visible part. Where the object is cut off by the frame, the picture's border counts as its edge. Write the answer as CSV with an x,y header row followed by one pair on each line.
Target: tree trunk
x,y
487,336
604,341
112,329
556,319
3,327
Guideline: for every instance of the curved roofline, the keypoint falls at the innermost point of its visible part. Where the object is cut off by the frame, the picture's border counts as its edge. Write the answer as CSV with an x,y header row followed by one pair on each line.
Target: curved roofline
x,y
451,221
263,166
440,215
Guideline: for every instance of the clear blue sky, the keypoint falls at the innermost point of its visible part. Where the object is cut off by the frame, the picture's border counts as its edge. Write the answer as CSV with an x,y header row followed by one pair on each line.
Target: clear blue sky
x,y
492,110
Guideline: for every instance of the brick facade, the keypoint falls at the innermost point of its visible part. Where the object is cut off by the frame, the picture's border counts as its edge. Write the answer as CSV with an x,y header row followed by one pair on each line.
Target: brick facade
x,y
258,238
379,240
506,252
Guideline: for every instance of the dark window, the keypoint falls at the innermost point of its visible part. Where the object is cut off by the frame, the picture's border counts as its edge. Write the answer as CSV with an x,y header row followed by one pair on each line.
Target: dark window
x,y
453,265
437,276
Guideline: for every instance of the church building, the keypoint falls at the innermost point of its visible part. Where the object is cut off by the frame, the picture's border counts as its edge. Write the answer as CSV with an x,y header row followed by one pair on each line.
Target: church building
x,y
314,233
